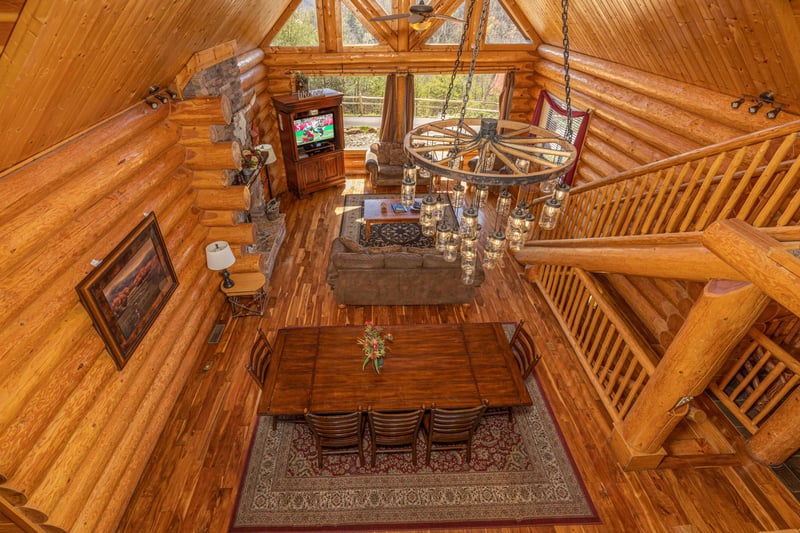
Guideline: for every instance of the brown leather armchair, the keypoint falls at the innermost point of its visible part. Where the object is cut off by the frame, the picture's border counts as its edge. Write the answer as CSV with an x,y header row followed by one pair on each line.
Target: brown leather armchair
x,y
384,162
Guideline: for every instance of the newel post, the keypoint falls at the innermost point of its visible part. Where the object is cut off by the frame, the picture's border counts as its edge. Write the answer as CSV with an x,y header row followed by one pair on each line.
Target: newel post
x,y
716,323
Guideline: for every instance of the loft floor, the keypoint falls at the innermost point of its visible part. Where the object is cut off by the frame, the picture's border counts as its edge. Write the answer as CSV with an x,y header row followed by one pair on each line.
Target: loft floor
x,y
193,476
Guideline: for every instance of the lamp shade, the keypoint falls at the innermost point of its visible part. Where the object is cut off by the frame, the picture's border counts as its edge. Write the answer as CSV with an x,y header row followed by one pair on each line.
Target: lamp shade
x,y
269,151
219,255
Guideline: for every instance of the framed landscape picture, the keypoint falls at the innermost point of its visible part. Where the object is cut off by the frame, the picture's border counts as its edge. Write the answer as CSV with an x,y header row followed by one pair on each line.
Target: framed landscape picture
x,y
127,291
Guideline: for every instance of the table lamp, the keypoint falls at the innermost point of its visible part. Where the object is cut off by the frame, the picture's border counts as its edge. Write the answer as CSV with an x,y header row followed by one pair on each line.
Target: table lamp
x,y
266,149
219,256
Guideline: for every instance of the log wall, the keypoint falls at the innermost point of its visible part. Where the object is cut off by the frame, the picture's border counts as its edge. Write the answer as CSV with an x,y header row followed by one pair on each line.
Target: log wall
x,y
76,433
640,117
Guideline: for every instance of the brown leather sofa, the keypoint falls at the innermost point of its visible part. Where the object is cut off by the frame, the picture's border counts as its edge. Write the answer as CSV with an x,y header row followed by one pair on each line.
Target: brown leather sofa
x,y
396,276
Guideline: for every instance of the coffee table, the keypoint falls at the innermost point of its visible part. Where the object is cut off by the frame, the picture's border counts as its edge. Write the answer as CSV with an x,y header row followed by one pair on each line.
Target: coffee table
x,y
381,212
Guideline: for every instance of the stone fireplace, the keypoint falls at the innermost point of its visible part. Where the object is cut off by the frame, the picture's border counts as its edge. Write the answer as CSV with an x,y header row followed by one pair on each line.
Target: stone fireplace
x,y
223,79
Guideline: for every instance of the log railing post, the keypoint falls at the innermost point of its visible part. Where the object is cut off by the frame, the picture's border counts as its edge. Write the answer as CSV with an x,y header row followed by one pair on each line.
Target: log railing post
x,y
716,323
778,438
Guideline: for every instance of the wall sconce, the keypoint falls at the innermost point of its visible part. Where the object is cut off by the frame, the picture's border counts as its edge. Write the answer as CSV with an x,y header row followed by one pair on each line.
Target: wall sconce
x,y
772,113
219,256
767,97
753,109
161,98
151,103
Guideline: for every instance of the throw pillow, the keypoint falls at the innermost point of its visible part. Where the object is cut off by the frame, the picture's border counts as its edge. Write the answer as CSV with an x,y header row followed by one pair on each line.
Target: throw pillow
x,y
351,245
417,250
384,249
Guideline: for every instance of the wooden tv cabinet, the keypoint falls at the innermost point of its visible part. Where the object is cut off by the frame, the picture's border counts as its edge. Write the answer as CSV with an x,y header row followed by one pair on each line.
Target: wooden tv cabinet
x,y
314,166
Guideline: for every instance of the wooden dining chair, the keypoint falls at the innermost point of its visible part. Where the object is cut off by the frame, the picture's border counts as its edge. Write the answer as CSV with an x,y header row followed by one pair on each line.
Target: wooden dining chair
x,y
527,358
524,350
451,429
258,365
394,432
337,433
260,357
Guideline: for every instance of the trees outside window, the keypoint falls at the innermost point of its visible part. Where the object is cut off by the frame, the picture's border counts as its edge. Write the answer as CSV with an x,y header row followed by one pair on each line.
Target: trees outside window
x,y
301,28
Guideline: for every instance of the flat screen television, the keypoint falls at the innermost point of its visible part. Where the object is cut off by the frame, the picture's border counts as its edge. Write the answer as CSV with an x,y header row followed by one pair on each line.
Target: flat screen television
x,y
314,129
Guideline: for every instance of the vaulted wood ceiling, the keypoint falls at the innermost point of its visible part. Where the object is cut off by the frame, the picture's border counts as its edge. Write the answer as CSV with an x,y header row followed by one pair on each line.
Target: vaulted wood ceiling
x,y
67,65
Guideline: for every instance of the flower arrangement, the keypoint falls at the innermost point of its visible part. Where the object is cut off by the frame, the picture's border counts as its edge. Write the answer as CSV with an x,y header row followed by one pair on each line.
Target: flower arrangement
x,y
374,343
249,158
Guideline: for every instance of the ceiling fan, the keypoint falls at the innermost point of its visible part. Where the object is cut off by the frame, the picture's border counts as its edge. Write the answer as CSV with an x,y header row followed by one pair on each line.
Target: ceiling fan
x,y
419,17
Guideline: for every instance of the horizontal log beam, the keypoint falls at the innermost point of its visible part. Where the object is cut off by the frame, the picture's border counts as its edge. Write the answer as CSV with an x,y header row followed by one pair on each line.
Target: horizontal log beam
x,y
433,61
218,218
240,234
250,59
690,262
235,198
210,179
201,111
224,155
758,258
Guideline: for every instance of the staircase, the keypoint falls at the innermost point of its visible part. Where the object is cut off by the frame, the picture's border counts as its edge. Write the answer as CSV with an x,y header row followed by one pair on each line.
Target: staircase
x,y
633,270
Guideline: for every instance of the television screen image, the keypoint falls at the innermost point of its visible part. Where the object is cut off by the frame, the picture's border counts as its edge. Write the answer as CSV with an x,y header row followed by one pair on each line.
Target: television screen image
x,y
314,129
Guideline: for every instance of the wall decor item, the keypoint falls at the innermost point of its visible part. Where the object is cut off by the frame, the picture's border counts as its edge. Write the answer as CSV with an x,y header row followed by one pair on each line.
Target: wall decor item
x,y
127,291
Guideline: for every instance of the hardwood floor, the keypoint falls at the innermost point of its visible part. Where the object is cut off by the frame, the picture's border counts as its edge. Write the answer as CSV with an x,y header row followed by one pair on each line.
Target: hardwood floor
x,y
192,480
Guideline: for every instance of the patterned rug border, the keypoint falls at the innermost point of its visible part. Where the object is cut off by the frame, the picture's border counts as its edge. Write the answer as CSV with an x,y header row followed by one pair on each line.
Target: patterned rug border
x,y
346,486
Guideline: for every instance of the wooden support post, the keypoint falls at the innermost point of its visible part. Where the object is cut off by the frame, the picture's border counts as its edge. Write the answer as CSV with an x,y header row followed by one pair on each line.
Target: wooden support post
x,y
779,436
716,323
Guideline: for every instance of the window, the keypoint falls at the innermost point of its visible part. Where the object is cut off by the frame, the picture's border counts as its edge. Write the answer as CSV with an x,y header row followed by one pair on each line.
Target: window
x,y
301,28
361,107
449,32
500,29
353,32
430,92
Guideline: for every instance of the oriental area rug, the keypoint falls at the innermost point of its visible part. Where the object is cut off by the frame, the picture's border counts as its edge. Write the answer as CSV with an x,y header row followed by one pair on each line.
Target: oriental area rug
x,y
521,474
406,234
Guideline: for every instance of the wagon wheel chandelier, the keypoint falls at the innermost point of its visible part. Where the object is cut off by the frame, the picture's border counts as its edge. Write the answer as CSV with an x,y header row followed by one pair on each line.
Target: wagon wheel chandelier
x,y
529,154
502,153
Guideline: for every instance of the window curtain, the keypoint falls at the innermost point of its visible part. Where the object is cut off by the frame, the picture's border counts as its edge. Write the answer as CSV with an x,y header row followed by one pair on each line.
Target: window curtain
x,y
397,117
505,96
408,107
550,113
390,121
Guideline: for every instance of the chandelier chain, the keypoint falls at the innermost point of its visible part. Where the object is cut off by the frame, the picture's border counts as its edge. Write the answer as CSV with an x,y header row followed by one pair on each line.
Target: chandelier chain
x,y
473,62
457,64
567,89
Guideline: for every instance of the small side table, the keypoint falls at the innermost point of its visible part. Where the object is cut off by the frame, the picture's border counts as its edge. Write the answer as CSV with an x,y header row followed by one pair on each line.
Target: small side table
x,y
247,296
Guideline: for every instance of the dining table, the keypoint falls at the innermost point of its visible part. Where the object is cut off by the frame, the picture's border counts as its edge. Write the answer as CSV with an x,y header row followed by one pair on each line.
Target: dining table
x,y
319,369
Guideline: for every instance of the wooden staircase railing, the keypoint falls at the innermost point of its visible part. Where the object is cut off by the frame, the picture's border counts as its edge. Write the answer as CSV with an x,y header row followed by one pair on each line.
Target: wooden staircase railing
x,y
761,378
665,210
753,178
618,362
